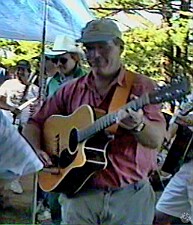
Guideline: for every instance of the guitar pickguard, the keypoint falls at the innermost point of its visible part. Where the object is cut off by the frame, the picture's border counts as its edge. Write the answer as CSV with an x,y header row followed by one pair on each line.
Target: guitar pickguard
x,y
96,159
95,148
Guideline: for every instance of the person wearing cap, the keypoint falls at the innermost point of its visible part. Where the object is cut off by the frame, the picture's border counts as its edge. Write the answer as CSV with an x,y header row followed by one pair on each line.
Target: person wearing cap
x,y
121,192
17,91
13,93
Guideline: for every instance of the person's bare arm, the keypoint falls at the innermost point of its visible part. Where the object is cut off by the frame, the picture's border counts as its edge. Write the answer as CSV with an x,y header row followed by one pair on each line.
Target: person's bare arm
x,y
4,105
152,133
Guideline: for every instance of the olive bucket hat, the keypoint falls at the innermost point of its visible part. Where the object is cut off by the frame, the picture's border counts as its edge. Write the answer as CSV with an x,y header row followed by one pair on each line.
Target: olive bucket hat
x,y
100,30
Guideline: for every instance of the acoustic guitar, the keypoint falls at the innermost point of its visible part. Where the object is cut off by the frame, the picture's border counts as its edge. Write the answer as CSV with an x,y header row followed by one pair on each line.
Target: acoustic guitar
x,y
77,144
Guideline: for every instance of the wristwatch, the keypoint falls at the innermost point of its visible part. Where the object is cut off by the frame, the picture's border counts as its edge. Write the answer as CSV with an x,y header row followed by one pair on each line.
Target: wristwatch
x,y
139,127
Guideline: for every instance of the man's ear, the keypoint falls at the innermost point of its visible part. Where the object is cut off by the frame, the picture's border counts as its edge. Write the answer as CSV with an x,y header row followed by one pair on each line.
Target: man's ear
x,y
75,56
3,98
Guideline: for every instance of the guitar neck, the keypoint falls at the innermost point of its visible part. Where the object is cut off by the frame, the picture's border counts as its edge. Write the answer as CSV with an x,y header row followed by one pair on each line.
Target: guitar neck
x,y
177,88
26,104
111,118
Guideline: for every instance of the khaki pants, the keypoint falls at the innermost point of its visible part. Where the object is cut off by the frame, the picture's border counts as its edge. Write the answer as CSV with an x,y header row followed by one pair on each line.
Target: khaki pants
x,y
133,205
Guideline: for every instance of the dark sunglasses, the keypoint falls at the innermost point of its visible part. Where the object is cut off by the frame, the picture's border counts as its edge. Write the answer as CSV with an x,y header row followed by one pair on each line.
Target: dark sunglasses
x,y
54,60
63,60
20,68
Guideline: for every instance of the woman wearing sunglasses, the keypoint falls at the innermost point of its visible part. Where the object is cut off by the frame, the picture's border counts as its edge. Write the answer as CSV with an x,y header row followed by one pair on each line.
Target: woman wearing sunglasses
x,y
63,63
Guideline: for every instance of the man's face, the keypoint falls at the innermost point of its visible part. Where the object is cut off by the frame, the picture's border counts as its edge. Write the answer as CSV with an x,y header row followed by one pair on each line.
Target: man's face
x,y
23,74
50,63
66,63
103,57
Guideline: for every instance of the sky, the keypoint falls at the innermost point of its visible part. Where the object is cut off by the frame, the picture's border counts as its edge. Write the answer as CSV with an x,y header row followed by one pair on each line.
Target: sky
x,y
131,21
92,2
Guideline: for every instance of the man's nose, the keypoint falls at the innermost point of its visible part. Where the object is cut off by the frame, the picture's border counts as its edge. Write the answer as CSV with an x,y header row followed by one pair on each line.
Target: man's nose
x,y
59,63
95,53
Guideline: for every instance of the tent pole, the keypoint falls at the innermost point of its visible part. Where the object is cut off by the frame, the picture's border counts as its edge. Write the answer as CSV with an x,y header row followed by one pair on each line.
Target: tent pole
x,y
42,83
42,78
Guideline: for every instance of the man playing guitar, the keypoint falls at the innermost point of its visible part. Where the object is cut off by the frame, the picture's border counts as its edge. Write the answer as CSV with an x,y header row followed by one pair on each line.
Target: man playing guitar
x,y
118,193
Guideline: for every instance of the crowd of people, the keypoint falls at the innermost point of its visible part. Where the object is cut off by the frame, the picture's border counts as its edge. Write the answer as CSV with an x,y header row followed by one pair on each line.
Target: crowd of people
x,y
105,164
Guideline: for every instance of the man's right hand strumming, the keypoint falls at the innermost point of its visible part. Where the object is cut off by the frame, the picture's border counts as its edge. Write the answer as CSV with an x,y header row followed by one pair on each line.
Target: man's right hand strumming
x,y
44,157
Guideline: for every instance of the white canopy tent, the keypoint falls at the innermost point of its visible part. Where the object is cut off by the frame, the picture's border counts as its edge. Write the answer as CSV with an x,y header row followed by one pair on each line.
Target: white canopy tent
x,y
24,19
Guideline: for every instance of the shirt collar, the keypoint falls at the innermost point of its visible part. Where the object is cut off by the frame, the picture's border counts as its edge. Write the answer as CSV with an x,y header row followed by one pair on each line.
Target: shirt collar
x,y
120,80
121,77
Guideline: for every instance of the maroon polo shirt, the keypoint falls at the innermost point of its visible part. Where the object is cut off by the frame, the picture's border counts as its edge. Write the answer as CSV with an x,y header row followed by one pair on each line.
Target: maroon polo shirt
x,y
128,160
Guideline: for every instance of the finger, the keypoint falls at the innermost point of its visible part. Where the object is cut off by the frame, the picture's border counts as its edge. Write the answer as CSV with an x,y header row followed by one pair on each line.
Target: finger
x,y
121,114
45,159
131,114
134,113
132,96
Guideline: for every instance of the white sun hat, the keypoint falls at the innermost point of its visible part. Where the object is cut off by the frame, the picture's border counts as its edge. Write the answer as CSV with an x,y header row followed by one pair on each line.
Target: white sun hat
x,y
62,45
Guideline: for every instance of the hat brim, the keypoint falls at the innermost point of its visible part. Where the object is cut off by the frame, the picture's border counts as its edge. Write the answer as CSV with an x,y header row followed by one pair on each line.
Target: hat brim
x,y
95,38
54,53
23,66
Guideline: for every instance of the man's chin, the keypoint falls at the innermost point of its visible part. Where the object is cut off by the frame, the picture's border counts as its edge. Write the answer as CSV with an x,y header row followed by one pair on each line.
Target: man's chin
x,y
99,71
63,71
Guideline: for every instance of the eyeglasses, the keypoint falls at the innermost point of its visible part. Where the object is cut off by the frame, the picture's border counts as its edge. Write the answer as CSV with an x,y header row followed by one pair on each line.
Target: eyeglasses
x,y
63,60
20,68
104,48
54,60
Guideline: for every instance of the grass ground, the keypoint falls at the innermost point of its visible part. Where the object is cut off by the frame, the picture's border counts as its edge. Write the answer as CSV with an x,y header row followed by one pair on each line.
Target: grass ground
x,y
21,205
19,210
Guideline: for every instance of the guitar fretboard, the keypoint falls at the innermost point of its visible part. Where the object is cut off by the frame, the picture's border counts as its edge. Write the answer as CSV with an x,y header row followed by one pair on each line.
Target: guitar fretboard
x,y
111,118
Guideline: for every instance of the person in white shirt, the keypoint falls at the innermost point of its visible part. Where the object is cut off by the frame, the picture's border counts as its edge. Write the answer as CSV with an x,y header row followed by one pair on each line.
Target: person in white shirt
x,y
17,157
13,93
19,90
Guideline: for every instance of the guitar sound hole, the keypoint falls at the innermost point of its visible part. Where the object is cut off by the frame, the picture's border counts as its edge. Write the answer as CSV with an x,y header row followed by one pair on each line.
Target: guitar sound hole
x,y
73,140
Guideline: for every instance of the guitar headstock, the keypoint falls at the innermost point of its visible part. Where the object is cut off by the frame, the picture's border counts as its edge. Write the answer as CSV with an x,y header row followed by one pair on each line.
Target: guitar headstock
x,y
178,88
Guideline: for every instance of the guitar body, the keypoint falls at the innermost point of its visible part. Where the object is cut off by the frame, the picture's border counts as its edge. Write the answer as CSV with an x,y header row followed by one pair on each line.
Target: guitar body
x,y
74,162
77,143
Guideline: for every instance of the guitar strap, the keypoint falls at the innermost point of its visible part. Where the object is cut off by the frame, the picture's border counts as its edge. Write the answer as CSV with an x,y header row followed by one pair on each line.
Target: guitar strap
x,y
120,97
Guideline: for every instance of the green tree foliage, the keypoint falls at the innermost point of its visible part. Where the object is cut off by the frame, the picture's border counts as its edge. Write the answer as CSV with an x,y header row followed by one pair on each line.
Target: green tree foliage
x,y
131,3
145,49
20,49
